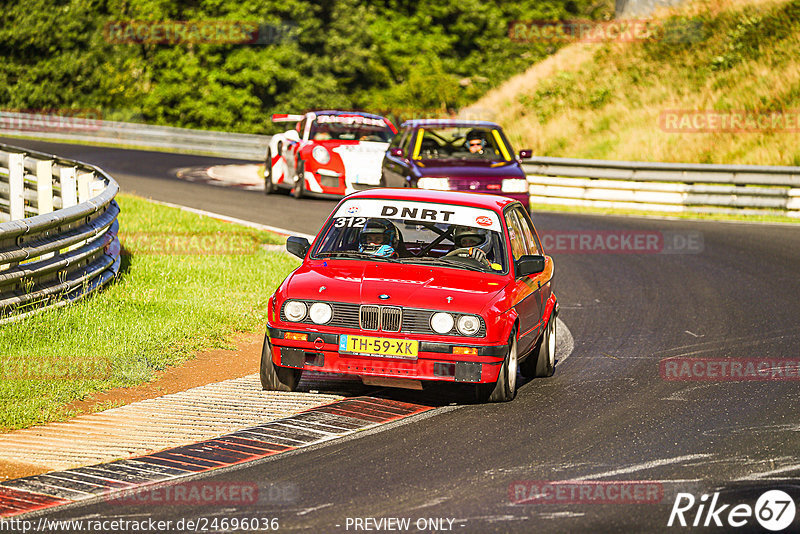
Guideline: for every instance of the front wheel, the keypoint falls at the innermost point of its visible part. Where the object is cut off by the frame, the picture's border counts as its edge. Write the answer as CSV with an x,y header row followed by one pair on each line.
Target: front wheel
x,y
505,389
299,189
275,377
269,186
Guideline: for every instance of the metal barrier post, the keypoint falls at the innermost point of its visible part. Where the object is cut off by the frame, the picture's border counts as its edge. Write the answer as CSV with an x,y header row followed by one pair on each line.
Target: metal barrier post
x,y
44,186
16,183
69,195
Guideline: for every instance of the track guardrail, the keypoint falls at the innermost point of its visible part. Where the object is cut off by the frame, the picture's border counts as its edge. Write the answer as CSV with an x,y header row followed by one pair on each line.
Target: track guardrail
x,y
58,231
93,130
666,187
644,186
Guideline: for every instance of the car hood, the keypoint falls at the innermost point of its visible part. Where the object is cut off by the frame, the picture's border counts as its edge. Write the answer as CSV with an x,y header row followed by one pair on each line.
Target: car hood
x,y
470,168
406,285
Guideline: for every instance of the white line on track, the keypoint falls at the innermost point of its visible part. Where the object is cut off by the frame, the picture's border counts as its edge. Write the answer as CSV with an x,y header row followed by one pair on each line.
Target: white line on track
x,y
250,224
765,474
644,466
565,344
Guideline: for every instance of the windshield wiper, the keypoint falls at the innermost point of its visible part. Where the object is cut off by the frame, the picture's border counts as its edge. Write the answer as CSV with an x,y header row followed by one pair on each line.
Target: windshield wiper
x,y
354,254
450,262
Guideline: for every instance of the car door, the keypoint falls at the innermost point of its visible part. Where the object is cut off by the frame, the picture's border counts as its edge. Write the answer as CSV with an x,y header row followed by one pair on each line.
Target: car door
x,y
535,247
394,168
527,289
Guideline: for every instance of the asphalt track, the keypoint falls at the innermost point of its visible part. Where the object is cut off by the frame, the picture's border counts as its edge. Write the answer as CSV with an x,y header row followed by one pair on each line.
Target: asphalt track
x,y
606,414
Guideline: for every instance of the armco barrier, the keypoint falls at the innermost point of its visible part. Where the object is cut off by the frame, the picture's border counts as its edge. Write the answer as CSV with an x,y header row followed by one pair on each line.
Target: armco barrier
x,y
58,231
665,187
92,130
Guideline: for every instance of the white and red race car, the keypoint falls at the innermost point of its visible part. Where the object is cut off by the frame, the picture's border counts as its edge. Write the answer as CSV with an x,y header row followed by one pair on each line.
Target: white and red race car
x,y
327,153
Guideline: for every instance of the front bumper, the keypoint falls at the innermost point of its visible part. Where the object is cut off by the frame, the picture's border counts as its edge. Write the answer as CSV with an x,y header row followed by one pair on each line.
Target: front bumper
x,y
435,360
492,186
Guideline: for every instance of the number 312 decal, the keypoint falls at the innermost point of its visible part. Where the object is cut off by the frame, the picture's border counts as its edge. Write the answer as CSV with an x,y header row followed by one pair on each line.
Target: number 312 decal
x,y
350,222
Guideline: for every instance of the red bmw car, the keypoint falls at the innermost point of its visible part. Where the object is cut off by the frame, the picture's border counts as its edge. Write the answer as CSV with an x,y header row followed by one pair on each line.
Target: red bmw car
x,y
327,153
405,286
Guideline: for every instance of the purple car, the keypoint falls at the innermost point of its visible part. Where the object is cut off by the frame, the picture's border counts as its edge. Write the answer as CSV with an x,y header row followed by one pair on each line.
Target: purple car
x,y
455,155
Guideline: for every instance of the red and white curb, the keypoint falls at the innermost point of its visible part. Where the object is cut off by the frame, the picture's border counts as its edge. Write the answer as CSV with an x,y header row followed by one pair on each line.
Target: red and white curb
x,y
168,421
304,429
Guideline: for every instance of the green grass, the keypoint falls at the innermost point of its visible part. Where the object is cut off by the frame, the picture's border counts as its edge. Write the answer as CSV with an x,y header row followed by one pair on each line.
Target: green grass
x,y
163,309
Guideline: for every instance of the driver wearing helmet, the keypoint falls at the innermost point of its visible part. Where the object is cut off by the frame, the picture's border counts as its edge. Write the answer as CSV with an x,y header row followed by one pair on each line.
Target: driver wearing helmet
x,y
379,237
471,242
466,236
475,142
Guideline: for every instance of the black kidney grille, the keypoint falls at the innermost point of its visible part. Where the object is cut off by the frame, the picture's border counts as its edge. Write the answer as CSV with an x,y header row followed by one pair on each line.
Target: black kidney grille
x,y
370,317
391,318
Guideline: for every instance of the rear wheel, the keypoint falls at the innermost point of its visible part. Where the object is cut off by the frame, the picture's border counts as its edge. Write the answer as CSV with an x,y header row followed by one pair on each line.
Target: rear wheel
x,y
275,377
299,189
505,389
542,361
269,187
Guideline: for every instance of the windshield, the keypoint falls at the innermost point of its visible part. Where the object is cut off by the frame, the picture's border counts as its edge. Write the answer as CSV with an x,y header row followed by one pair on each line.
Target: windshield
x,y
460,143
350,128
415,233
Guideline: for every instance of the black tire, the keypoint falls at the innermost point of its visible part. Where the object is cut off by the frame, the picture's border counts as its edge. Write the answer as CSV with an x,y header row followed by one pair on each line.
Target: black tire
x,y
541,363
275,377
505,389
269,187
299,189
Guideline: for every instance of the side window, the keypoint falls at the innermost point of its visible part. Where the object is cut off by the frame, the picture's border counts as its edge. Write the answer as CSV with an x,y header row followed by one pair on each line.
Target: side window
x,y
532,244
515,234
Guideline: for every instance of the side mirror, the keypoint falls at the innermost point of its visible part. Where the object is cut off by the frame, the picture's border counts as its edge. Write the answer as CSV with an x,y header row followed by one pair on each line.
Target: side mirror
x,y
396,152
526,265
298,246
525,153
292,135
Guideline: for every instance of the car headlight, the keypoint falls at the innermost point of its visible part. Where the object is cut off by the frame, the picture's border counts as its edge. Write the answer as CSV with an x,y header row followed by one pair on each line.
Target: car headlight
x,y
438,184
320,312
442,322
515,185
295,310
469,325
321,154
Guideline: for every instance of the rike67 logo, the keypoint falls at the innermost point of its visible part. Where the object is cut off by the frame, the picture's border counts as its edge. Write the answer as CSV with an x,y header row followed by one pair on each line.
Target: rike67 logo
x,y
774,510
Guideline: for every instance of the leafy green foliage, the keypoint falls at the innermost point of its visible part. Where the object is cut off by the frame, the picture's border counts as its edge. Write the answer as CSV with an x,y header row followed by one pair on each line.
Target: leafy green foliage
x,y
394,57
